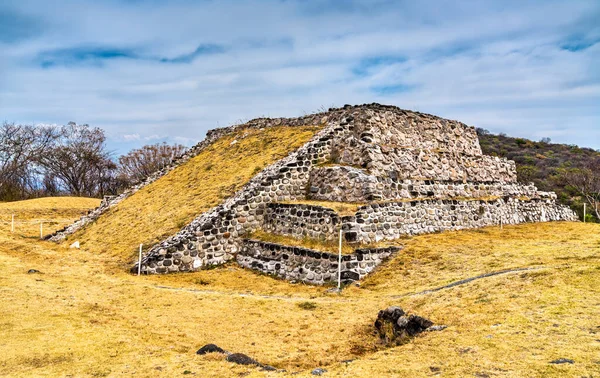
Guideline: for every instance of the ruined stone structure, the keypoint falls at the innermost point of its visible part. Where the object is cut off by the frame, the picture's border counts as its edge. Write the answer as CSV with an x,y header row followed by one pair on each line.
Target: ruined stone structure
x,y
309,266
412,173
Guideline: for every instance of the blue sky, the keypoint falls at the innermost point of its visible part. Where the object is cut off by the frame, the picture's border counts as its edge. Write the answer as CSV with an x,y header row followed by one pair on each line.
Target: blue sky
x,y
158,70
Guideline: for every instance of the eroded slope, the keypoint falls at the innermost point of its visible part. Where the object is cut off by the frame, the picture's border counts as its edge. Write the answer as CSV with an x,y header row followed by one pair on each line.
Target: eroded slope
x,y
163,207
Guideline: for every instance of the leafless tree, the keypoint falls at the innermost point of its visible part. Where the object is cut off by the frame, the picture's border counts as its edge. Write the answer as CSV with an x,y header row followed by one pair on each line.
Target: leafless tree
x,y
586,181
79,160
21,146
141,163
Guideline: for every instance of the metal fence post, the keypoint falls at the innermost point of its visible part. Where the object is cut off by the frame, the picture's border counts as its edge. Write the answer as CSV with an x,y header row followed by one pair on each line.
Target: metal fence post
x,y
140,261
340,262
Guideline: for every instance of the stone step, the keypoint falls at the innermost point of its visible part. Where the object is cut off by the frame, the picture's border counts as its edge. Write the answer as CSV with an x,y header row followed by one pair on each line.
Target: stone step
x,y
294,263
350,184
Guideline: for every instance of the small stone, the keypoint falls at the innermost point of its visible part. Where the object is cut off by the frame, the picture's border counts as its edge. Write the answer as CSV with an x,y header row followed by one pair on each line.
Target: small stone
x,y
75,245
209,348
318,371
436,328
562,361
33,271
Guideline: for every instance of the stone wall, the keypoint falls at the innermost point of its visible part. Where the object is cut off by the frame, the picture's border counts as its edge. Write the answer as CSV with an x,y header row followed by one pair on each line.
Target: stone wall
x,y
416,147
301,221
309,266
393,127
349,184
389,221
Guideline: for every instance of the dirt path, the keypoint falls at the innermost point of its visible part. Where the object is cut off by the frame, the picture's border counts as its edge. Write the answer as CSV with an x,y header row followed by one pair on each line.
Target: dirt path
x,y
467,280
338,300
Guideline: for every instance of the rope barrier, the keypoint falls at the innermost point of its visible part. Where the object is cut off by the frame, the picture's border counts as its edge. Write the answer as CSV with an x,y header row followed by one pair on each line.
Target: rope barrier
x,y
38,221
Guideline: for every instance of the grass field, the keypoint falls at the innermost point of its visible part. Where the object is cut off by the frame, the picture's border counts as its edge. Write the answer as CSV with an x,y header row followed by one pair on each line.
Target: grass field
x,y
84,316
54,213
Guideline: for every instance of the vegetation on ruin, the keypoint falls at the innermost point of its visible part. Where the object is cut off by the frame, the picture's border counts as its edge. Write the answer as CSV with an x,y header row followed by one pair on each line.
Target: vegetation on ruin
x,y
84,316
341,208
331,246
162,208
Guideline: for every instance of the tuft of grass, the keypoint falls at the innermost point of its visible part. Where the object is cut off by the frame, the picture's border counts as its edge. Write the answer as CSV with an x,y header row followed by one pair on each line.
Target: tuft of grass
x,y
162,208
307,305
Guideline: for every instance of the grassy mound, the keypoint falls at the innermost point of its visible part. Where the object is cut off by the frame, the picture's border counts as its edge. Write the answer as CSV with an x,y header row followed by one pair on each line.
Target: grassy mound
x,y
162,208
54,212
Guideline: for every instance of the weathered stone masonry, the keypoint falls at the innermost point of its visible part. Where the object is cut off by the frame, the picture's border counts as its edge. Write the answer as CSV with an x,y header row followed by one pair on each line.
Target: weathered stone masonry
x,y
350,184
301,221
416,172
310,266
389,221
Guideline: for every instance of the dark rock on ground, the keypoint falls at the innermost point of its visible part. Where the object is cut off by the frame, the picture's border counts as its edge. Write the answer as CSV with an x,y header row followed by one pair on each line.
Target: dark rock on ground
x,y
318,371
210,348
562,361
394,326
32,271
241,359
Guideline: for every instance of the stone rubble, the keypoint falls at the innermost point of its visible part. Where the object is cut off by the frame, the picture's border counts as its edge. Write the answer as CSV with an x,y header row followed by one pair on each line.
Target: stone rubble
x,y
394,326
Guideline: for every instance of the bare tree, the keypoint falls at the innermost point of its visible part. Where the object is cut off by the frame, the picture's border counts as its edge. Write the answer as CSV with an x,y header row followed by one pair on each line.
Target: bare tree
x,y
586,181
21,146
79,160
141,163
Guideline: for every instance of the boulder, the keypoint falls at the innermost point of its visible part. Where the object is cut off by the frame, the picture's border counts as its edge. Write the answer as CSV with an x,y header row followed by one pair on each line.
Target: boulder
x,y
242,359
209,348
395,326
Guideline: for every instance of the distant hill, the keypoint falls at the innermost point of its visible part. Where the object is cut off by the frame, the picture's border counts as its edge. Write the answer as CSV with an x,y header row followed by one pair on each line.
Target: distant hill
x,y
538,162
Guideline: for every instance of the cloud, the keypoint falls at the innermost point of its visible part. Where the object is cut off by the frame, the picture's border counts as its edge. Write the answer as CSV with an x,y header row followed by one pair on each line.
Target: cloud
x,y
16,26
131,137
82,55
98,55
170,70
204,49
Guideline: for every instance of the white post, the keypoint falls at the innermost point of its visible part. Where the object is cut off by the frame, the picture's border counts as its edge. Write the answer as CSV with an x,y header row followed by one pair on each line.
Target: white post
x,y
41,230
140,261
12,224
584,211
340,262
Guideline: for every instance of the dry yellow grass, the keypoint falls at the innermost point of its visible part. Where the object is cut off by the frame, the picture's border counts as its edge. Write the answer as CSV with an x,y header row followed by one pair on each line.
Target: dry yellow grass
x,y
162,208
54,212
342,208
83,316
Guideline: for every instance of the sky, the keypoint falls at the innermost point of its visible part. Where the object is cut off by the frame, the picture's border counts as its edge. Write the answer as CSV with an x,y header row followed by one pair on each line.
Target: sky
x,y
158,70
